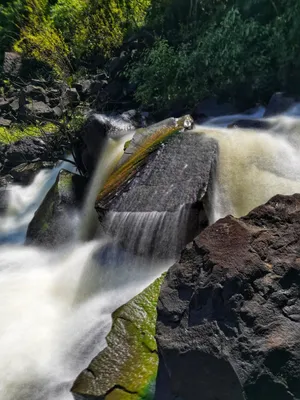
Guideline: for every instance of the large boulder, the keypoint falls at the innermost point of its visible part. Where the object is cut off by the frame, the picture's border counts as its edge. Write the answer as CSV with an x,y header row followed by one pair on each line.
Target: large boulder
x,y
145,216
55,221
127,367
96,130
39,109
25,150
229,312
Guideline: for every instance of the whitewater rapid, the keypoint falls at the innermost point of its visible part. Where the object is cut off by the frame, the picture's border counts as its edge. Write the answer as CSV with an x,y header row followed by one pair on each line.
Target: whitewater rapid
x,y
55,306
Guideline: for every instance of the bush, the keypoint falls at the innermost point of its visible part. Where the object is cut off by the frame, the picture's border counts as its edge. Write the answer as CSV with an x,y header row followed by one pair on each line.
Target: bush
x,y
41,40
11,15
235,56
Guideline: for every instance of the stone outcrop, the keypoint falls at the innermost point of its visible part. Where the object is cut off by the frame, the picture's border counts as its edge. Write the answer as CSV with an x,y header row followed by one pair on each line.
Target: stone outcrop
x,y
55,220
229,311
127,367
160,188
25,150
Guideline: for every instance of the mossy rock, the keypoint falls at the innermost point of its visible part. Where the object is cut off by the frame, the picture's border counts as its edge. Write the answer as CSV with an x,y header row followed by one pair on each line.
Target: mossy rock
x,y
144,142
126,369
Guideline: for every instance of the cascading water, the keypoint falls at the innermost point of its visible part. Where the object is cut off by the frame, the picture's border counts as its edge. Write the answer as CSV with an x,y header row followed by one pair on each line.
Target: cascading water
x,y
254,166
55,307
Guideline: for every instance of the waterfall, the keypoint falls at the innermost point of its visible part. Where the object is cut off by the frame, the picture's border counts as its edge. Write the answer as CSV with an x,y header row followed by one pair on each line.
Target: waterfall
x,y
254,166
55,306
156,234
108,159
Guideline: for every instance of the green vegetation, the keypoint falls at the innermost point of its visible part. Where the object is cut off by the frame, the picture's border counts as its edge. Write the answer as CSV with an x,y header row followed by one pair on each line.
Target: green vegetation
x,y
237,49
126,369
57,32
241,50
17,132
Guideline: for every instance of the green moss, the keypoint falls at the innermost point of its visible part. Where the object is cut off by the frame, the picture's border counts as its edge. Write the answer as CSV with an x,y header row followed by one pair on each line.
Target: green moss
x,y
17,132
127,144
130,361
138,158
65,181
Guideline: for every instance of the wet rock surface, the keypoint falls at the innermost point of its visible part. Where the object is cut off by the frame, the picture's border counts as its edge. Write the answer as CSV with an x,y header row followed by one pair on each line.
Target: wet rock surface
x,y
229,311
183,165
127,367
55,220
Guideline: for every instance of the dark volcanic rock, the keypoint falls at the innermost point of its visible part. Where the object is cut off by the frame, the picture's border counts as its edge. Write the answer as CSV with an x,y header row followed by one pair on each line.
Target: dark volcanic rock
x,y
24,151
229,312
12,63
36,93
5,122
40,109
183,165
55,220
162,206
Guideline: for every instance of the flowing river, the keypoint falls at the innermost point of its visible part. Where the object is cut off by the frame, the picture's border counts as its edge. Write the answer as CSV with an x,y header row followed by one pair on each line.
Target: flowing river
x,y
55,306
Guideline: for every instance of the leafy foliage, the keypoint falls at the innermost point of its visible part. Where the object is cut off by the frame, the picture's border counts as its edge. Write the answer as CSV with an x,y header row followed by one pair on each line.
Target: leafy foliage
x,y
236,49
41,40
11,15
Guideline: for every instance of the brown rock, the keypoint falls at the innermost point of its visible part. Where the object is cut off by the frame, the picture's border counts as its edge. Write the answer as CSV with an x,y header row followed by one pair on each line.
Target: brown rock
x,y
229,312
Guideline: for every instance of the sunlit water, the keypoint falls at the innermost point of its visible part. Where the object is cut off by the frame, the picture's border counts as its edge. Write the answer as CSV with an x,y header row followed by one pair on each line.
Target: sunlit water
x,y
55,307
253,165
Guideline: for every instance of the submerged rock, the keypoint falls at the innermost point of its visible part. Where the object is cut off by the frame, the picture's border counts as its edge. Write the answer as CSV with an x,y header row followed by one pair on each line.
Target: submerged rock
x,y
54,222
127,367
229,311
251,124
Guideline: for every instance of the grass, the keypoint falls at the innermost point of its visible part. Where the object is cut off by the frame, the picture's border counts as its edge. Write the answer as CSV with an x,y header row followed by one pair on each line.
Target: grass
x,y
17,132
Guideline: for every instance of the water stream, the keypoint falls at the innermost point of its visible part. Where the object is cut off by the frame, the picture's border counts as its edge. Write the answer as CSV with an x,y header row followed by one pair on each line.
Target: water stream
x,y
55,306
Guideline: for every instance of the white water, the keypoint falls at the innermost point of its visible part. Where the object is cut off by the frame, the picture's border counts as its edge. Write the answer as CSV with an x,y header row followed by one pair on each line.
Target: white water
x,y
159,234
55,307
254,166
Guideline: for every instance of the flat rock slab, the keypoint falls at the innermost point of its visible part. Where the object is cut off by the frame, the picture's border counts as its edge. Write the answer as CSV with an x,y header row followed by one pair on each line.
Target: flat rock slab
x,y
176,175
229,312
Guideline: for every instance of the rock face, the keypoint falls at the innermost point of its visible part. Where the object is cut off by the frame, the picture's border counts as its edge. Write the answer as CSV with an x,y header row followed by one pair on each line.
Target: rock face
x,y
55,220
96,130
183,164
229,311
127,367
25,150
